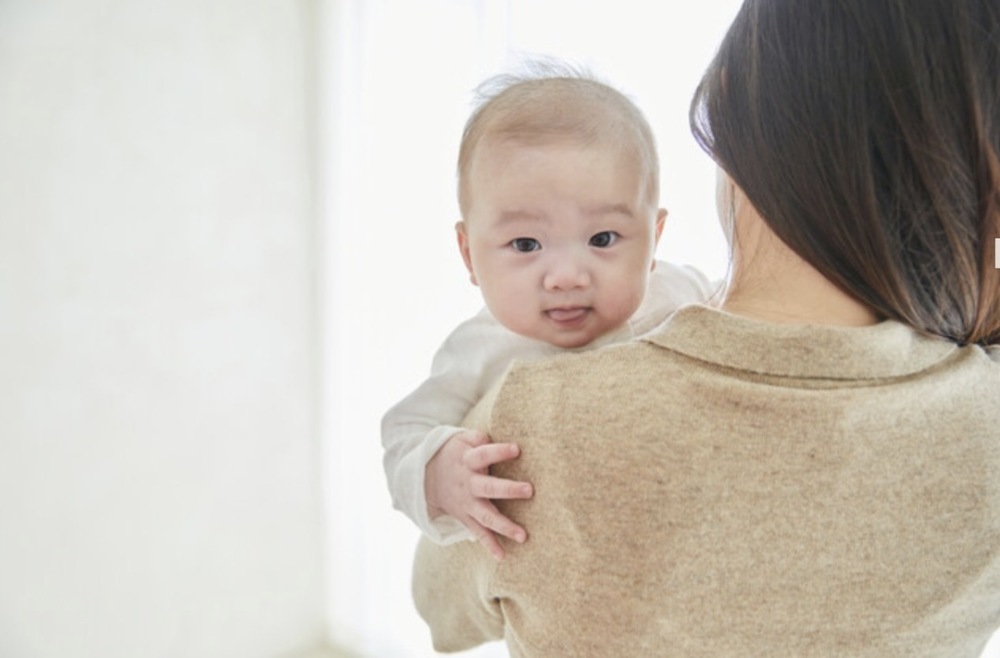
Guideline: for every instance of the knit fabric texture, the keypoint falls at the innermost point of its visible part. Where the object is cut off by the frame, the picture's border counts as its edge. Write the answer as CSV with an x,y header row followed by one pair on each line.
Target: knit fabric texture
x,y
728,487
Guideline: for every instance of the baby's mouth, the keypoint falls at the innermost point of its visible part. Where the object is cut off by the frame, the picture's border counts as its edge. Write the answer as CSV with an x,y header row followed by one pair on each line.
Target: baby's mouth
x,y
567,315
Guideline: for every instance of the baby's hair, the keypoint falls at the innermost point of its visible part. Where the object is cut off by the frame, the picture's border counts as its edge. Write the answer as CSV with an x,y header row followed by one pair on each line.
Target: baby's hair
x,y
548,99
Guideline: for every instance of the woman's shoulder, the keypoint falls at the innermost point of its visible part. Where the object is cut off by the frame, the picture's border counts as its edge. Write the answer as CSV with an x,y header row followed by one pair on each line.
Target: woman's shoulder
x,y
566,387
601,362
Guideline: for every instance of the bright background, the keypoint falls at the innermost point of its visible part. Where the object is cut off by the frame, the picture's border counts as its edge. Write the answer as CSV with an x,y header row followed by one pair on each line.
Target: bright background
x,y
226,247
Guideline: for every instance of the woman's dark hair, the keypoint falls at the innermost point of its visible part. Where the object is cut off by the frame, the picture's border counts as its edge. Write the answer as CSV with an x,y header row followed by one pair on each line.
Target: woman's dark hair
x,y
867,135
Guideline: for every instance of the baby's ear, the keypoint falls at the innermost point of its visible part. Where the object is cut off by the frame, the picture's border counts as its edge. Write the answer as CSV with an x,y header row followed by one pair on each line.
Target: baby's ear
x,y
661,219
463,248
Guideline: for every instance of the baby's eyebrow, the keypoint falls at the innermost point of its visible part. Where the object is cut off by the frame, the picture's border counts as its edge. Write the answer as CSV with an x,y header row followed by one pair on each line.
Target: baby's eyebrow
x,y
609,209
519,216
597,210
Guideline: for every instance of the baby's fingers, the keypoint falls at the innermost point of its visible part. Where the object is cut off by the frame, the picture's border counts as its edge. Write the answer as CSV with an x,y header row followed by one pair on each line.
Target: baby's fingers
x,y
487,486
490,518
485,537
484,456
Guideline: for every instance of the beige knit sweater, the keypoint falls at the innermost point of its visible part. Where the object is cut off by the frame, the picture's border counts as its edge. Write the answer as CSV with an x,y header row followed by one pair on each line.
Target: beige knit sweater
x,y
734,488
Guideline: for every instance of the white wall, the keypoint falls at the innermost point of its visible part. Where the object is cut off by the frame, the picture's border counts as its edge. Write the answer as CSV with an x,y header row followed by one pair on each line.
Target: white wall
x,y
159,487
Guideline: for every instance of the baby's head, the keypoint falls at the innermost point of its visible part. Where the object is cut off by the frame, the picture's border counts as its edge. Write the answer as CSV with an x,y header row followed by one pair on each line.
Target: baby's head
x,y
558,183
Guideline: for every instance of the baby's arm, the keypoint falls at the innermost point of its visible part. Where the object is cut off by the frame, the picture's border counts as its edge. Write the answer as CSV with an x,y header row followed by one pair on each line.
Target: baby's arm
x,y
437,471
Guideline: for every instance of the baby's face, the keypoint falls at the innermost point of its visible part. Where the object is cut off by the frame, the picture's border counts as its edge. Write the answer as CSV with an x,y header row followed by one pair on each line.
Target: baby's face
x,y
559,237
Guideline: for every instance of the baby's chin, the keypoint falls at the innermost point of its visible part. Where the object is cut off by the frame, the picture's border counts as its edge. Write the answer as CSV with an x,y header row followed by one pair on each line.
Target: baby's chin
x,y
561,340
573,340
574,343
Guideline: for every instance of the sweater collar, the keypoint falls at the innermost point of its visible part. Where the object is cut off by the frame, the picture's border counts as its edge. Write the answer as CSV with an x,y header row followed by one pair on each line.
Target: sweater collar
x,y
884,350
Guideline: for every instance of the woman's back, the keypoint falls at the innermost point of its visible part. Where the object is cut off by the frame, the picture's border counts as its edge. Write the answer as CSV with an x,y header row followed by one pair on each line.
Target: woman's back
x,y
772,490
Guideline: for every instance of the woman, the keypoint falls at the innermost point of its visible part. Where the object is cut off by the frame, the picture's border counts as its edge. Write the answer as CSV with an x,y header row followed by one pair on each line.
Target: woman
x,y
813,467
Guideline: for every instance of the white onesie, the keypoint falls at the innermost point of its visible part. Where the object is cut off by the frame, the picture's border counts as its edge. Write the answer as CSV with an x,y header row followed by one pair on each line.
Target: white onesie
x,y
468,363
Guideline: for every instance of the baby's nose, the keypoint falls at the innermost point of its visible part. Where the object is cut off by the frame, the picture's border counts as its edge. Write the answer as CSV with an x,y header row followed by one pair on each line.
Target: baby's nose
x,y
566,274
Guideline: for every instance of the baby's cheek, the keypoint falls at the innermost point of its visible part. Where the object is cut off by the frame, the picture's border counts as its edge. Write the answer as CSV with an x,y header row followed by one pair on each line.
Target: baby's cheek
x,y
627,303
513,310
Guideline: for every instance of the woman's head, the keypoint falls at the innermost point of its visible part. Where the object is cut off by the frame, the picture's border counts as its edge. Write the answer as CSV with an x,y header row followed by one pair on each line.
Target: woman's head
x,y
866,133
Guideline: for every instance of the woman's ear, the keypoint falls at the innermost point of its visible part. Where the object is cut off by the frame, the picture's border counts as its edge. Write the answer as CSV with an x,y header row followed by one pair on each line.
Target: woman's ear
x,y
463,247
725,202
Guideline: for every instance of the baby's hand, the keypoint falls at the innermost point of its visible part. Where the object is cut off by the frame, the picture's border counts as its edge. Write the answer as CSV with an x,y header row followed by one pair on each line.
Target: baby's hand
x,y
457,482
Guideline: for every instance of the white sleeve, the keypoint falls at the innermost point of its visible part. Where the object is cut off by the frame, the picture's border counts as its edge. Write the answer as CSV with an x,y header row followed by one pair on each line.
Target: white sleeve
x,y
474,356
671,287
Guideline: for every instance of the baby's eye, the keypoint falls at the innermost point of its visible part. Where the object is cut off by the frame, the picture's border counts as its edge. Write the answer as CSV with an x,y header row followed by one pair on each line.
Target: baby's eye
x,y
604,239
525,245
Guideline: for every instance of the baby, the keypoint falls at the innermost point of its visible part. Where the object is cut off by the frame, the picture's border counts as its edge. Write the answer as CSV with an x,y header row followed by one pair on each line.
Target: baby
x,y
558,185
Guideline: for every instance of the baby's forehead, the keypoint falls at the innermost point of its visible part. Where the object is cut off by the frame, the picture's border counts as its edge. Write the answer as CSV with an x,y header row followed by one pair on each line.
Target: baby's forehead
x,y
502,145
556,115
531,163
